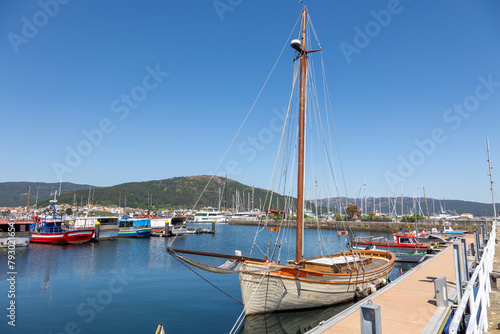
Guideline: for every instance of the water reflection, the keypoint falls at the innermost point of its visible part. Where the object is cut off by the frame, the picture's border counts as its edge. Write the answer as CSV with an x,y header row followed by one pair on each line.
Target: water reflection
x,y
290,322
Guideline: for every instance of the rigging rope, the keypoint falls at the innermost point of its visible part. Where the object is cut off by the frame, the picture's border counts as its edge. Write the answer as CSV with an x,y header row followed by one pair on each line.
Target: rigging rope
x,y
248,114
203,278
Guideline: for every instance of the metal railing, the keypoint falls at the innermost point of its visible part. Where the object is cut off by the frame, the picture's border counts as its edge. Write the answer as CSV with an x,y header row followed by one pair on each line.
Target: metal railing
x,y
475,299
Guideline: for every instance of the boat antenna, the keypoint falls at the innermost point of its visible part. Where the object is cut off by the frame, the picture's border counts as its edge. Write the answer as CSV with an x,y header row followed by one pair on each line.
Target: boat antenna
x,y
28,206
490,168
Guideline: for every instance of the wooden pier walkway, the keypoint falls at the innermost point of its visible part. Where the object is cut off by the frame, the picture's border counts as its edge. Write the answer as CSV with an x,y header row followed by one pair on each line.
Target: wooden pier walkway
x,y
408,305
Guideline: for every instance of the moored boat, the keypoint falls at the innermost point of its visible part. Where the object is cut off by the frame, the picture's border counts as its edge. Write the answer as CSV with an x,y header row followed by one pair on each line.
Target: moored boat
x,y
171,227
108,226
267,285
50,229
448,230
14,233
134,227
405,246
208,215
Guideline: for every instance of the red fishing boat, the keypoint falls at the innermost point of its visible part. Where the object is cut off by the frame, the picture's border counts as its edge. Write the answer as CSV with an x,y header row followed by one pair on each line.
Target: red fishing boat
x,y
405,246
50,230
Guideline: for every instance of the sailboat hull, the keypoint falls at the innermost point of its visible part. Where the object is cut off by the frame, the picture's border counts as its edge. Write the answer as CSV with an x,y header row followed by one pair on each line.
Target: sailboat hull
x,y
289,288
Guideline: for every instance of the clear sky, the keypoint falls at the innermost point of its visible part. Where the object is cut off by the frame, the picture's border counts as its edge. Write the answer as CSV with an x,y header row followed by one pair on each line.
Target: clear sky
x,y
106,92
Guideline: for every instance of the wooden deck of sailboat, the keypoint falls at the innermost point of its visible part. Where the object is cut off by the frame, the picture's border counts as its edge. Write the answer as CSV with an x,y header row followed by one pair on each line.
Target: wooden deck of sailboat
x,y
406,306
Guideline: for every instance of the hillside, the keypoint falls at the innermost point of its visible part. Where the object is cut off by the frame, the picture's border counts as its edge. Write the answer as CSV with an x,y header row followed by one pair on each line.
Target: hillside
x,y
183,192
16,193
177,192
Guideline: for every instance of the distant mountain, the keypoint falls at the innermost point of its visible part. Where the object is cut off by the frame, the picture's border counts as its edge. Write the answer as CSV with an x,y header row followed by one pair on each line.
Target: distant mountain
x,y
16,193
393,205
177,192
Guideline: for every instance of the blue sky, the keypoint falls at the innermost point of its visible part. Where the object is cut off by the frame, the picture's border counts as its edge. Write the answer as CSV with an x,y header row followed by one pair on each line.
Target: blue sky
x,y
106,92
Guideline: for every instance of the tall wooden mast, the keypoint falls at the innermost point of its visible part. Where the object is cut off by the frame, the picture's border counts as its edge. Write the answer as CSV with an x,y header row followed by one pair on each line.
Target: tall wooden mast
x,y
302,118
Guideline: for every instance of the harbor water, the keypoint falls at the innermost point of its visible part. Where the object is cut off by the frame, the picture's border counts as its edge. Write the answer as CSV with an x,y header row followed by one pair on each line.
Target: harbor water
x,y
132,285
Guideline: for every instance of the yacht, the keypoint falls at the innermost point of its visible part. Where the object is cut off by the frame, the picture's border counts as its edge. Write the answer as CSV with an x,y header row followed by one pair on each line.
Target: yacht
x,y
207,215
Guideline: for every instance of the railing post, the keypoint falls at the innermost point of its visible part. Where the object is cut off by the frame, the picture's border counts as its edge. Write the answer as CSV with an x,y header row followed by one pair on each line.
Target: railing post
x,y
371,322
482,236
441,292
476,241
464,261
458,278
485,300
485,235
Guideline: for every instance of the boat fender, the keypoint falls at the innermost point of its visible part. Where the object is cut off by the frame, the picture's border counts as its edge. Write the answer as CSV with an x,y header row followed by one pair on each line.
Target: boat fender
x,y
360,293
373,288
384,281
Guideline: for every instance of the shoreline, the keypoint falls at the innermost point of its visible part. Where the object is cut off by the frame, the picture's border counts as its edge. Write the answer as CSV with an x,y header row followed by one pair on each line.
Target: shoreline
x,y
376,226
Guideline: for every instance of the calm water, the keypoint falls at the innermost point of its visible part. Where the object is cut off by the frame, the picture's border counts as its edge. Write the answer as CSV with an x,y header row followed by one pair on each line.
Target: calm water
x,y
131,285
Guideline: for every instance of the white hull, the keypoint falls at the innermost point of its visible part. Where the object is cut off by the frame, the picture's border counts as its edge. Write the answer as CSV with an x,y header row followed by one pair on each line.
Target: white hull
x,y
18,241
292,289
218,220
208,216
108,234
108,228
158,222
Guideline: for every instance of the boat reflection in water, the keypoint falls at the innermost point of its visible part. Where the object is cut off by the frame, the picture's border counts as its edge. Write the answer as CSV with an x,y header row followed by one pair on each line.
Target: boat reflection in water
x,y
295,322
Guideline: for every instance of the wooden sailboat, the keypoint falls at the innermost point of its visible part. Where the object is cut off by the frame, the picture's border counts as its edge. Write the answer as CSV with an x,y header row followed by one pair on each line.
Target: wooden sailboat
x,y
305,282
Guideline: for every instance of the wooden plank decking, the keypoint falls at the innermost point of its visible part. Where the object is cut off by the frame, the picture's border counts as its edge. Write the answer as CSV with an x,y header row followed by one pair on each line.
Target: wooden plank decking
x,y
407,305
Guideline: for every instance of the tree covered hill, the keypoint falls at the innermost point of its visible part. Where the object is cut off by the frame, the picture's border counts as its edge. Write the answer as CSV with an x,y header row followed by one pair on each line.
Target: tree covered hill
x,y
177,192
16,193
183,192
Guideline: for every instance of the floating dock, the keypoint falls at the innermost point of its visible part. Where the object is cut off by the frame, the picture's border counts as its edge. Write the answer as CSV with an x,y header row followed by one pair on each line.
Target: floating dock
x,y
408,305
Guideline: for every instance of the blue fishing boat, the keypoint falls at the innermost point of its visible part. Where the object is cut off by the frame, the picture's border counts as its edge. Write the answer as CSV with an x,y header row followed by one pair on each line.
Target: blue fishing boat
x,y
134,227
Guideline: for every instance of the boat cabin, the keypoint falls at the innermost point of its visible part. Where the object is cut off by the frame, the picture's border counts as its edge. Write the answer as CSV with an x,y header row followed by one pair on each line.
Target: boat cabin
x,y
406,239
177,221
12,226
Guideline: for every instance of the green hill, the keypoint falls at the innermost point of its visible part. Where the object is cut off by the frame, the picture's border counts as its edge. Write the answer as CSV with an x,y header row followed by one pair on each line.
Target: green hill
x,y
177,192
16,193
183,192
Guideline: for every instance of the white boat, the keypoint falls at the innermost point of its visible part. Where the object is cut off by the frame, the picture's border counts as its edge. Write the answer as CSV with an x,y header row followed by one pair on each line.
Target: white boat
x,y
267,285
174,226
209,215
14,234
108,229
448,230
246,215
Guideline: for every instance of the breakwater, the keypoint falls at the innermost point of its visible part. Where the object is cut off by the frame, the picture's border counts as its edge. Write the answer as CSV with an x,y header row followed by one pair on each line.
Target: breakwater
x,y
367,225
